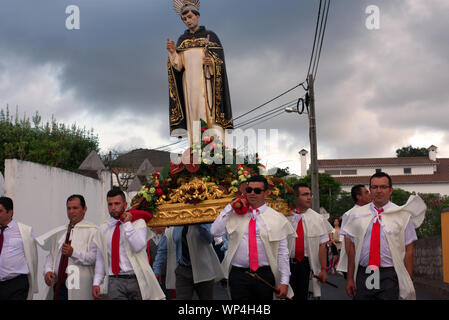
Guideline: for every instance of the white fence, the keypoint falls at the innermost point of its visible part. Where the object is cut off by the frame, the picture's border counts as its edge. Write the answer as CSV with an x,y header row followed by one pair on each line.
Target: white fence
x,y
40,192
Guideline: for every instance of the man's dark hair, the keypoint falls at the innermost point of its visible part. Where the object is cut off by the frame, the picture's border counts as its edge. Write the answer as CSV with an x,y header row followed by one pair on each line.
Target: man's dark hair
x,y
186,11
7,203
259,179
116,192
381,174
299,185
80,197
356,191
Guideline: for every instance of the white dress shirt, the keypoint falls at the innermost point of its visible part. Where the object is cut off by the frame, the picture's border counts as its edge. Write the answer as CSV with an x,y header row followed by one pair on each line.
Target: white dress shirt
x,y
12,259
295,220
136,240
78,257
386,259
241,257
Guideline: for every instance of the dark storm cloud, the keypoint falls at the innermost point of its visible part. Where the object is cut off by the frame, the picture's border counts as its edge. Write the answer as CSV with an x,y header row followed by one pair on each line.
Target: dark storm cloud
x,y
117,62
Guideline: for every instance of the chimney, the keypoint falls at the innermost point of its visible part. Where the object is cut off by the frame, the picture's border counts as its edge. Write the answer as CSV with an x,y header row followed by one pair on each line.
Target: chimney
x,y
432,152
303,154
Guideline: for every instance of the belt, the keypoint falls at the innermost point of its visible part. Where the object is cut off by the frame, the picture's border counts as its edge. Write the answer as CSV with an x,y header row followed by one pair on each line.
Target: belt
x,y
295,261
124,276
249,270
381,268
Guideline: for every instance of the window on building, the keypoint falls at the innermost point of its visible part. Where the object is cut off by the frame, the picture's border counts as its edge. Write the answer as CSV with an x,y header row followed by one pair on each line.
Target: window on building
x,y
378,170
351,172
407,170
332,172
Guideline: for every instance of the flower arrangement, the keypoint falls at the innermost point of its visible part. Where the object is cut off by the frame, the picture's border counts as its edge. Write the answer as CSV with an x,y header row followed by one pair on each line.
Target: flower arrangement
x,y
197,178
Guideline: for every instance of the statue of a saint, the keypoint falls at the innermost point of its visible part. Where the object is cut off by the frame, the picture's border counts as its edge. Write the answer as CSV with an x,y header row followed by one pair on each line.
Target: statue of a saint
x,y
197,80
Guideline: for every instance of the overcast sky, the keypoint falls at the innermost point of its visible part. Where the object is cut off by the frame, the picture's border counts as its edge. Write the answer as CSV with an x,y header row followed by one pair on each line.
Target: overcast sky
x,y
376,90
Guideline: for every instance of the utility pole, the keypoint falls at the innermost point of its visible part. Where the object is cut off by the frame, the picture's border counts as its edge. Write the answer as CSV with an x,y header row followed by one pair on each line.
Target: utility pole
x,y
313,149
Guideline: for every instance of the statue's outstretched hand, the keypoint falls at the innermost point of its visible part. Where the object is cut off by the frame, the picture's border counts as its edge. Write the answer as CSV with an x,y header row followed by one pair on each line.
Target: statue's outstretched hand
x,y
171,47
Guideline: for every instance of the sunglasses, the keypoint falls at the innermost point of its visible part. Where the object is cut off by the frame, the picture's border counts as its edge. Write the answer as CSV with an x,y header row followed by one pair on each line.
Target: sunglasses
x,y
256,190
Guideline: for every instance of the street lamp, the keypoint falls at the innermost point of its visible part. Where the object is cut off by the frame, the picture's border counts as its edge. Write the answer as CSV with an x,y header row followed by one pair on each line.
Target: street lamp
x,y
309,101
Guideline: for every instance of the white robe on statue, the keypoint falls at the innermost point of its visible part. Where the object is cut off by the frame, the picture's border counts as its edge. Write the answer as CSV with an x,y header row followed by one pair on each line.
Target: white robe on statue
x,y
197,89
82,237
394,221
148,284
30,250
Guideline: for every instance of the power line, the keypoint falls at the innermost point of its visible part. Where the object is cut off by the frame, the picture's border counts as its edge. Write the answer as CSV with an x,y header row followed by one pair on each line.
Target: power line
x,y
276,115
322,38
321,20
314,40
168,145
264,104
266,114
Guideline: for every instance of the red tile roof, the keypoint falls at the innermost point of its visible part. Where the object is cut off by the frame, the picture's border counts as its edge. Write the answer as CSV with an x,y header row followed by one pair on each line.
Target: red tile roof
x,y
374,162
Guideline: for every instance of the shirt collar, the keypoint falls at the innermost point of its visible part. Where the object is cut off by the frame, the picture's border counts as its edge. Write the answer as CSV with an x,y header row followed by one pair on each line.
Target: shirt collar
x,y
385,207
11,224
261,209
112,222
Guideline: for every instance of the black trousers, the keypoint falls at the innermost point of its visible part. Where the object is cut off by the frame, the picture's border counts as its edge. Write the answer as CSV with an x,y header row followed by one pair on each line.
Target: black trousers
x,y
63,292
15,288
245,287
299,278
388,285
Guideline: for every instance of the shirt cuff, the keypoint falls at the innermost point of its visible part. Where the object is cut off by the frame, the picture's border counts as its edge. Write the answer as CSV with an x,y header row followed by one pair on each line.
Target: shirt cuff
x,y
75,255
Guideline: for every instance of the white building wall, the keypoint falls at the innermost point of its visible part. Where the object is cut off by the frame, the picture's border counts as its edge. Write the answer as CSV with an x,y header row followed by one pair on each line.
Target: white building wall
x,y
391,170
40,192
441,188
2,185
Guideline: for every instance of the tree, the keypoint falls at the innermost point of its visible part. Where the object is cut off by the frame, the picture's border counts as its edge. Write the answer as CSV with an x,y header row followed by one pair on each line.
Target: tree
x,y
409,151
431,225
399,196
282,172
342,204
329,189
53,144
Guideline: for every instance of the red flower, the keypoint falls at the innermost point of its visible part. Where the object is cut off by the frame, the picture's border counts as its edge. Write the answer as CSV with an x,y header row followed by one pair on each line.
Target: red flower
x,y
203,129
159,192
207,140
156,175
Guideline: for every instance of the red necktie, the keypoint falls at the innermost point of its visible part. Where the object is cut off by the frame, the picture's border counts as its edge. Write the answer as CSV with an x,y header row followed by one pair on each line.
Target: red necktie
x,y
299,247
62,275
252,244
2,228
374,249
148,252
115,249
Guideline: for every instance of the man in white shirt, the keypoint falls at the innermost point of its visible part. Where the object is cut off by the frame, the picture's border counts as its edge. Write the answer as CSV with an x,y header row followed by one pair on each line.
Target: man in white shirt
x,y
18,256
122,267
380,250
308,249
257,244
79,252
361,196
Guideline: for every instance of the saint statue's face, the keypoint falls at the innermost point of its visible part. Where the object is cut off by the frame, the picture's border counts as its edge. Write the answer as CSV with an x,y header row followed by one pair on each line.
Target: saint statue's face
x,y
190,20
